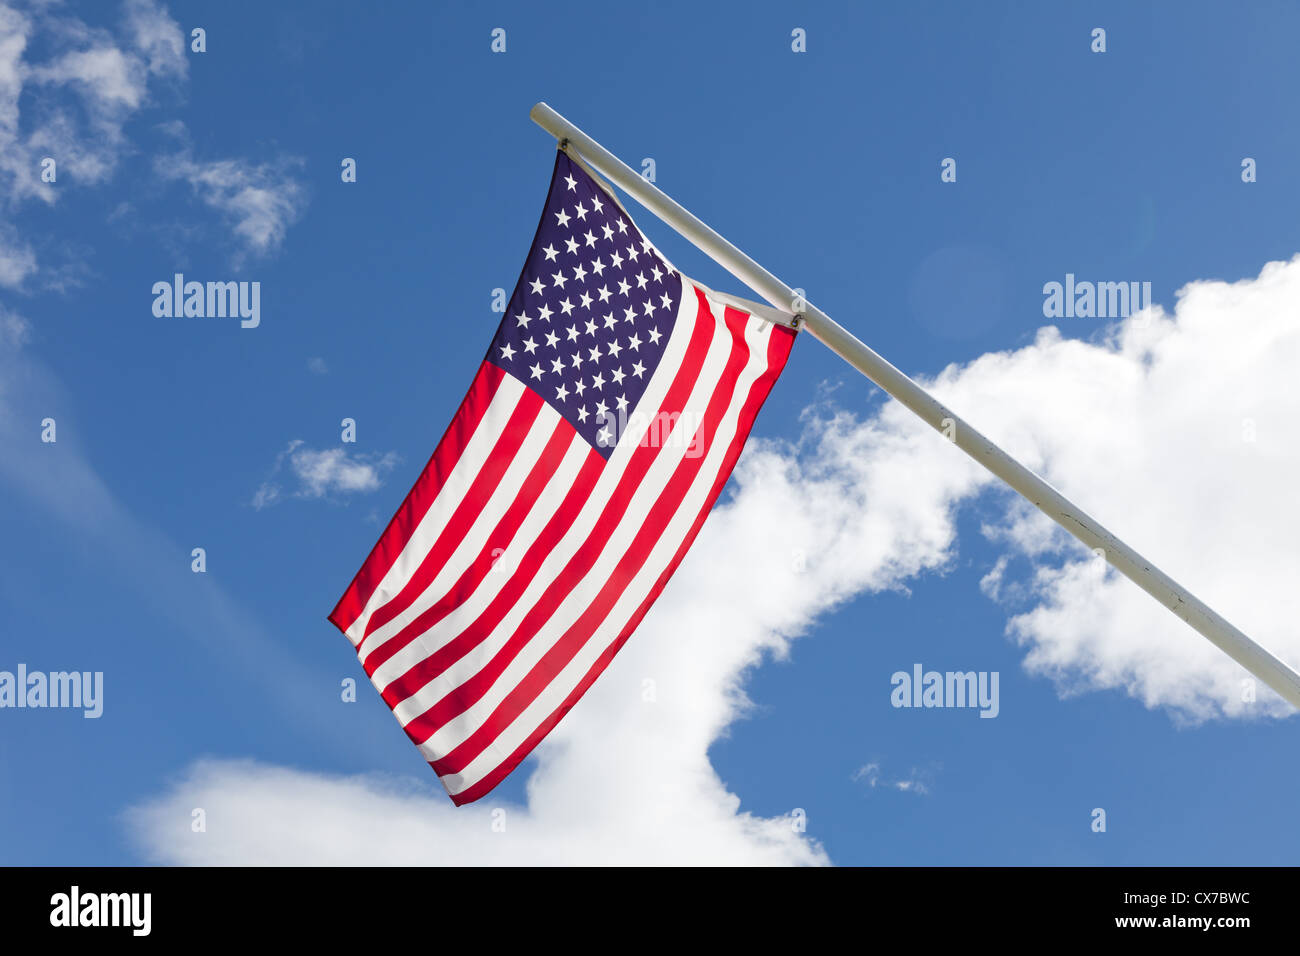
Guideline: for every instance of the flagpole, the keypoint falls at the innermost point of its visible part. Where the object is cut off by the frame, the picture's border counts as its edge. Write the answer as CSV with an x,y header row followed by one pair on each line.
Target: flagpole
x,y
1038,492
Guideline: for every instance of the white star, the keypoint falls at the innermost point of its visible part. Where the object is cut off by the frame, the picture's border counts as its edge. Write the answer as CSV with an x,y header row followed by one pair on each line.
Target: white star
x,y
598,381
599,206
530,346
537,371
580,387
657,274
572,245
573,183
610,321
645,245
557,366
580,273
604,436
634,343
609,233
641,280
623,287
598,267
649,307
618,376
559,279
654,336
638,369
566,306
629,314
523,319
562,218
668,303
595,354
632,253
616,260
581,212
614,348
622,227
622,403
604,293
544,313
551,339
591,238
591,327
582,412
551,253
586,300
507,352
573,333
562,392
577,359
537,286
602,409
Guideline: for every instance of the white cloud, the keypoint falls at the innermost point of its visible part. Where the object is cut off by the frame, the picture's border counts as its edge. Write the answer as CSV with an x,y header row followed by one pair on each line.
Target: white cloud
x,y
14,329
317,366
158,38
75,102
1146,428
259,200
914,782
17,258
323,473
108,75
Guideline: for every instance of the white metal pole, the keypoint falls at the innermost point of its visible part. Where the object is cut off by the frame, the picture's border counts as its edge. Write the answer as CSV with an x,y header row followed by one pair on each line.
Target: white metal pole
x,y
1043,496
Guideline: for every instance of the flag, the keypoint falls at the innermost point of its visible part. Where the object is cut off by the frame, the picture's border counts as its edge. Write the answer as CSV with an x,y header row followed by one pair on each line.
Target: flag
x,y
594,439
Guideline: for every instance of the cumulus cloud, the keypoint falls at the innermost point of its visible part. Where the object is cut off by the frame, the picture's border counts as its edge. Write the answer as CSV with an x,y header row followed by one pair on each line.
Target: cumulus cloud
x,y
1173,429
322,473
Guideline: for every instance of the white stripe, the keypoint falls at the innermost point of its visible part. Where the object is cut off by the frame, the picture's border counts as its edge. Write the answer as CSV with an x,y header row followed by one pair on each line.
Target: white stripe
x,y
485,590
449,495
578,533
613,549
469,548
635,594
507,563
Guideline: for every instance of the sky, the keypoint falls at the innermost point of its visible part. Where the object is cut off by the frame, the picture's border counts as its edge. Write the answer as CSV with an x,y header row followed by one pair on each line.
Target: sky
x,y
752,718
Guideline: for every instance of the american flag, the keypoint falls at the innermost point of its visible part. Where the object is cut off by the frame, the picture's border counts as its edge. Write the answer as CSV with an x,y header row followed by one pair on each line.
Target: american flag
x,y
595,437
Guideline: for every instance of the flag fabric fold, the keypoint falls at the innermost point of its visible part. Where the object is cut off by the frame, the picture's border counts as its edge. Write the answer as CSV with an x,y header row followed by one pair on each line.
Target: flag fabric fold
x,y
594,439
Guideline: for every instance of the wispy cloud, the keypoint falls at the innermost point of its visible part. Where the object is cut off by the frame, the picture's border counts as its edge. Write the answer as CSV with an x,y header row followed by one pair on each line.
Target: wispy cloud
x,y
259,201
915,781
322,473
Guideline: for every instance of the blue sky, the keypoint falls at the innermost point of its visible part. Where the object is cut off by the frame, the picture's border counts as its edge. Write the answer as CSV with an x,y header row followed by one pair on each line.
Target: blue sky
x,y
824,166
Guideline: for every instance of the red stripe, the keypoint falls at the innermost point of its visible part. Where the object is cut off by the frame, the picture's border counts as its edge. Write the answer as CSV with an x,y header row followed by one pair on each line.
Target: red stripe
x,y
558,656
480,491
464,696
500,537
777,353
416,504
